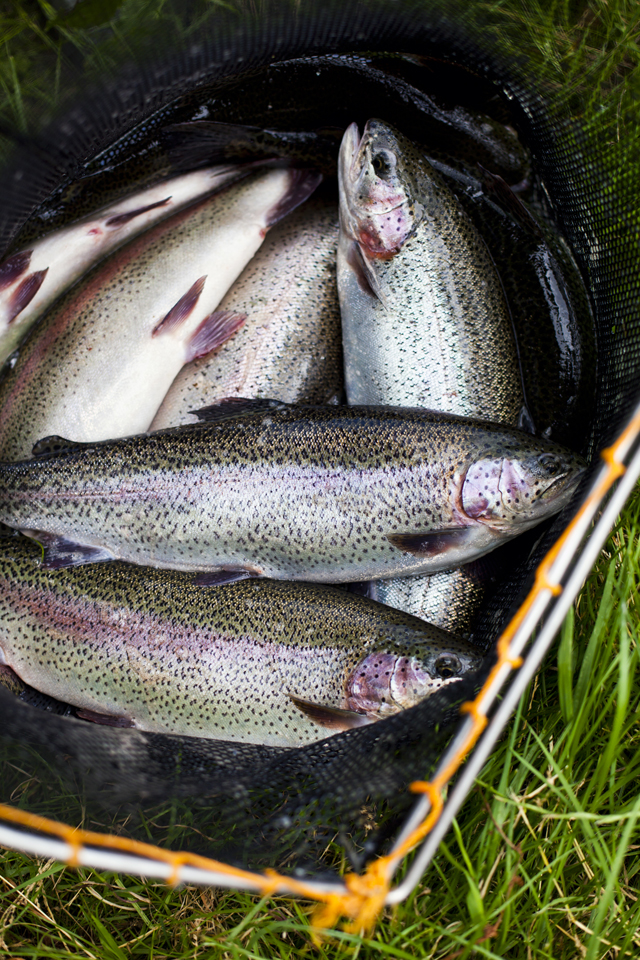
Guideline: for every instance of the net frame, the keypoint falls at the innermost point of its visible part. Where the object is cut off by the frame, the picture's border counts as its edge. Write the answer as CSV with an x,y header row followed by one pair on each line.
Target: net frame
x,y
557,580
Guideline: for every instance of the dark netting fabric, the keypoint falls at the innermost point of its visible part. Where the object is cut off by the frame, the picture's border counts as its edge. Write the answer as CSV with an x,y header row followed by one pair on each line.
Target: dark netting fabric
x,y
257,805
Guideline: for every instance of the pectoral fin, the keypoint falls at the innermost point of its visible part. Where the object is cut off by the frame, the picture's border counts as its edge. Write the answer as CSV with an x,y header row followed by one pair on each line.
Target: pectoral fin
x,y
330,717
180,310
429,544
10,680
106,719
214,330
24,293
302,183
363,272
14,267
220,578
120,219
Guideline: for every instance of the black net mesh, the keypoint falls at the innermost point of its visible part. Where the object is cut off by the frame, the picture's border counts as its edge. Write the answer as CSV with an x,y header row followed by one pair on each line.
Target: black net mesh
x,y
258,805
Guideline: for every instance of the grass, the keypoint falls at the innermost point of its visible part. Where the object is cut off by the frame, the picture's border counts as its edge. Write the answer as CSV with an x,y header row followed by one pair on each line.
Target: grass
x,y
542,861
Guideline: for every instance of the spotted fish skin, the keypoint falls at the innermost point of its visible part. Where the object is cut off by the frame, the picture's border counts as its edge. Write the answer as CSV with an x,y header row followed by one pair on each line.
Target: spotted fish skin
x,y
303,493
289,347
448,600
424,319
59,258
103,358
155,650
438,334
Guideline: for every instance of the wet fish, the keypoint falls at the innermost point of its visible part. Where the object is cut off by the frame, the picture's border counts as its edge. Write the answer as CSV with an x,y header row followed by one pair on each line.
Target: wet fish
x,y
449,600
289,347
425,322
258,661
424,318
302,493
30,280
102,360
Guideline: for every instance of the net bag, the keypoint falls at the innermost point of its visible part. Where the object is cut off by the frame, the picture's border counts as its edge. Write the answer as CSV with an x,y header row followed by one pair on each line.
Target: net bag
x,y
222,813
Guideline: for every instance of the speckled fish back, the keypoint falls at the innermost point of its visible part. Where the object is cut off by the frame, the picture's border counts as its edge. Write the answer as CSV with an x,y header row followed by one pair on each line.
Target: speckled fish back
x,y
158,649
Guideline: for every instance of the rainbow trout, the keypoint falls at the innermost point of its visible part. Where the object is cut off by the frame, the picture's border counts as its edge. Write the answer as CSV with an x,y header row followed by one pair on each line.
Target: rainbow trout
x,y
289,346
263,662
425,322
318,493
424,319
30,280
102,360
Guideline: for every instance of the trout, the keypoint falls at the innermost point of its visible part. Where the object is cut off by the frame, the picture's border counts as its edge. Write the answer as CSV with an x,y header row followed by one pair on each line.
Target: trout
x,y
102,360
260,488
425,322
30,280
289,347
263,662
424,319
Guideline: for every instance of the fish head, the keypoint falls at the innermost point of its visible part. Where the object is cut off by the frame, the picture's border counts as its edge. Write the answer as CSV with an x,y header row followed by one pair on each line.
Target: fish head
x,y
379,209
520,486
384,683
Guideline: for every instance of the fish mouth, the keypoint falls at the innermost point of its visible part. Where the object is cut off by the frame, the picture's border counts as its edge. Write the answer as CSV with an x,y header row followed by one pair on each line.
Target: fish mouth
x,y
567,486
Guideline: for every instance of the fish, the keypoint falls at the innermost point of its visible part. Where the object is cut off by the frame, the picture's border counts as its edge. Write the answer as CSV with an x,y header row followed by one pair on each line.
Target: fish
x,y
289,347
261,488
31,279
424,318
449,600
425,322
258,661
102,360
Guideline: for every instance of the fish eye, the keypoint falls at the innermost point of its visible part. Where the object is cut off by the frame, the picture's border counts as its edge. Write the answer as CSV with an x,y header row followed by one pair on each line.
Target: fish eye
x,y
550,464
382,165
447,666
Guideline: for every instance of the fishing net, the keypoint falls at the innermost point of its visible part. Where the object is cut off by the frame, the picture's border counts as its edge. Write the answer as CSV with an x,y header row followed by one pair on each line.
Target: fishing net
x,y
301,810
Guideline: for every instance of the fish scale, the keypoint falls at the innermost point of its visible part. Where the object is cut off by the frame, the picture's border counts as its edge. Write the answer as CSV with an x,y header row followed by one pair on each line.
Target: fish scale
x,y
102,359
315,493
155,650
407,300
290,346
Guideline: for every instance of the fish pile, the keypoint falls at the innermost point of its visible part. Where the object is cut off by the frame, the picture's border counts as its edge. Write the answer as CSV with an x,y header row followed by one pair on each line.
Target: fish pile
x,y
183,486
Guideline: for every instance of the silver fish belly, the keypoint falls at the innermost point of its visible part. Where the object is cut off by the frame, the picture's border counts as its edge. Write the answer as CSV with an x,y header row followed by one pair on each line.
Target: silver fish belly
x,y
31,279
103,358
425,322
319,493
424,319
260,661
289,346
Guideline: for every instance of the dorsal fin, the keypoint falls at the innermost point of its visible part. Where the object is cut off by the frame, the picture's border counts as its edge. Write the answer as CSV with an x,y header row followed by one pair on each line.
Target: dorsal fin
x,y
229,407
54,446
